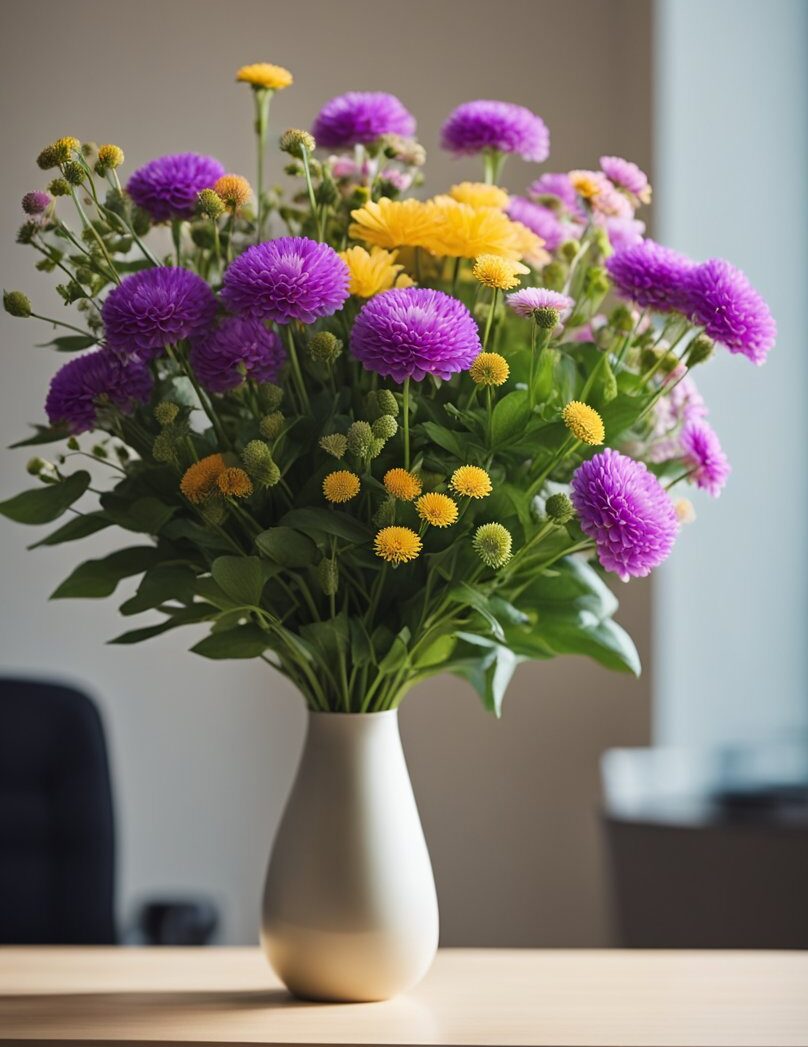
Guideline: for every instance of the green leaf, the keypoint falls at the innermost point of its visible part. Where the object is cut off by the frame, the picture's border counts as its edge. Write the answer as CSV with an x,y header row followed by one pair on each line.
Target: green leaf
x,y
242,641
467,595
329,637
160,585
43,434
197,613
144,515
510,416
397,654
488,667
361,647
242,578
286,546
444,438
316,522
621,413
78,527
43,504
97,578
70,343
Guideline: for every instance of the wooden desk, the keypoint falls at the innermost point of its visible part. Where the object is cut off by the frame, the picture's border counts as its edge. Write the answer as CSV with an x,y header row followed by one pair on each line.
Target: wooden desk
x,y
558,997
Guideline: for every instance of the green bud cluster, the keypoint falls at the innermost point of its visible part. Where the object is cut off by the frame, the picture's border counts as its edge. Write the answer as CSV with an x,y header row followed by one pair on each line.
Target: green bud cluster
x,y
271,424
622,318
73,172
164,448
700,350
335,444
258,461
296,142
17,304
546,317
492,542
360,439
271,396
386,513
325,347
569,250
380,402
59,187
559,509
166,412
210,204
36,466
384,427
328,576
596,281
554,276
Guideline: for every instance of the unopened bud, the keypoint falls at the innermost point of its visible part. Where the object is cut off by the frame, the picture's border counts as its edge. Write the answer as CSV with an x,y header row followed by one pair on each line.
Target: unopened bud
x,y
17,304
335,444
271,425
385,427
325,347
700,350
166,412
328,576
296,142
360,437
559,508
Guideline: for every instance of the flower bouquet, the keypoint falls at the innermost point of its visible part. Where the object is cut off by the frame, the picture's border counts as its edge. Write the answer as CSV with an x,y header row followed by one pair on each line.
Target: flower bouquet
x,y
368,437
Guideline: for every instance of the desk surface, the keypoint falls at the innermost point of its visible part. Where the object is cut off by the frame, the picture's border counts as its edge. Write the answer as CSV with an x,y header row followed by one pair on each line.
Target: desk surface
x,y
563,998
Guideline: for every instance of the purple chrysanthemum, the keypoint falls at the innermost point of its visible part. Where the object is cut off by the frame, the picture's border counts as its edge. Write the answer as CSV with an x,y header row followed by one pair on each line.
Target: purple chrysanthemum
x,y
291,278
626,511
501,126
410,332
36,202
238,348
624,232
653,276
528,300
87,382
731,311
554,183
360,117
702,452
681,405
626,175
155,308
542,221
168,186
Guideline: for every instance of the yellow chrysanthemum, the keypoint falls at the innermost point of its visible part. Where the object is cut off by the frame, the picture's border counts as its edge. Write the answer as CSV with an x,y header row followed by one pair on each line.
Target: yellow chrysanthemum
x,y
489,369
373,271
584,422
393,223
437,509
478,194
341,486
199,480
502,273
462,231
586,183
471,481
397,544
263,74
402,484
529,246
234,189
234,482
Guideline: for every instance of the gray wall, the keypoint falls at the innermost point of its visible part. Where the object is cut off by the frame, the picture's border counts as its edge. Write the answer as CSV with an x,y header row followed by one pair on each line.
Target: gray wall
x,y
732,134
203,753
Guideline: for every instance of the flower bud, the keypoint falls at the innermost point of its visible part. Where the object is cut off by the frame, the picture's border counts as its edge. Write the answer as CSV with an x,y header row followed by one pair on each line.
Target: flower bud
x,y
596,281
59,187
546,317
554,276
271,425
166,412
210,204
296,142
326,193
385,514
559,509
700,350
17,304
622,318
271,396
35,203
328,576
376,447
386,402
492,542
385,427
335,444
202,235
257,459
73,444
164,448
325,347
360,437
36,466
110,156
73,172
569,250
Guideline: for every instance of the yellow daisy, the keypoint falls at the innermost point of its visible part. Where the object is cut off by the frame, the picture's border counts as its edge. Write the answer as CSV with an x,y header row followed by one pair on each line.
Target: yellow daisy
x,y
393,223
373,271
402,484
437,509
502,273
478,194
199,480
584,422
489,369
462,231
341,486
471,481
263,74
397,545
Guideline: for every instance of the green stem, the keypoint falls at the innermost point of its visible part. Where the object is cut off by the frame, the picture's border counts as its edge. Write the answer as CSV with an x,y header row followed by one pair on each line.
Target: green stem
x,y
531,396
405,407
564,450
85,221
178,359
297,374
304,156
489,322
263,97
61,323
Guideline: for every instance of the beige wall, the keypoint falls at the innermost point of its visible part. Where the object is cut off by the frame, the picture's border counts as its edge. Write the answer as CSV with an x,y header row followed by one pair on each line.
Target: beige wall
x,y
203,753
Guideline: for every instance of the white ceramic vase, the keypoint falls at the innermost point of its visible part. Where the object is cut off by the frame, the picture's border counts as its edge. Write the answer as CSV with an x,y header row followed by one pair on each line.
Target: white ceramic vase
x,y
350,911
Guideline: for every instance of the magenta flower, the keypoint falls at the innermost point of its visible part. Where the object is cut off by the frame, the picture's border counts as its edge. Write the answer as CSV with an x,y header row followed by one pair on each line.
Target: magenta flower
x,y
624,232
36,202
411,332
542,221
626,511
681,405
499,126
359,118
168,187
157,307
627,175
90,382
239,348
554,183
528,300
731,311
653,276
702,453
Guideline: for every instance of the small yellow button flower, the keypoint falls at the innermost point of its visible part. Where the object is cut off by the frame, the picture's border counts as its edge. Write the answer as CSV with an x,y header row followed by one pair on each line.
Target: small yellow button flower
x,y
437,509
341,486
199,480
478,194
489,369
234,482
397,545
233,189
586,183
263,74
584,422
471,481
402,484
110,156
502,273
